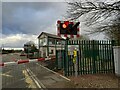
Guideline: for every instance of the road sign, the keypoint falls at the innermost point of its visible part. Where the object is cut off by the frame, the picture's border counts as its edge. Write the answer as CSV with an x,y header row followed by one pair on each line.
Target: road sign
x,y
71,48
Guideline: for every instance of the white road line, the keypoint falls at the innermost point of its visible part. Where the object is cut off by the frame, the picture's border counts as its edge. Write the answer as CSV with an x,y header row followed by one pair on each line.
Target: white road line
x,y
55,72
38,83
28,80
33,79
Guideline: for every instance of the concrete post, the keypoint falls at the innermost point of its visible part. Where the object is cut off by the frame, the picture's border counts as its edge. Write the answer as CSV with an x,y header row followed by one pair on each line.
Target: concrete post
x,y
116,50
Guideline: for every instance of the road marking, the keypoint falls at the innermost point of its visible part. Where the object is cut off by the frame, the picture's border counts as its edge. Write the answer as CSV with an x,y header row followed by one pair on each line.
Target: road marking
x,y
54,72
37,81
6,74
3,74
28,80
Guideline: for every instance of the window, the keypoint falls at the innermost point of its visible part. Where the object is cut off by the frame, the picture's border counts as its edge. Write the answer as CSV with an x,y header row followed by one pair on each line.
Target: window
x,y
43,41
60,42
51,41
51,52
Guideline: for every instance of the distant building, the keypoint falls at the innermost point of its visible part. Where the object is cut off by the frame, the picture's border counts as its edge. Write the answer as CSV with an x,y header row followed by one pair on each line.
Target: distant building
x,y
30,48
49,43
28,45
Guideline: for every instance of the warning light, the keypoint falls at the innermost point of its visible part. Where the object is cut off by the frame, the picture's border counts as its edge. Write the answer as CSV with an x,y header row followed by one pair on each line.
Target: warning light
x,y
67,27
64,26
66,23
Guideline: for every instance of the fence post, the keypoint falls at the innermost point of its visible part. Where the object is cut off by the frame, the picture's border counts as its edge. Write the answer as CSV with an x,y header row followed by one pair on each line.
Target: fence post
x,y
66,57
56,61
113,44
94,67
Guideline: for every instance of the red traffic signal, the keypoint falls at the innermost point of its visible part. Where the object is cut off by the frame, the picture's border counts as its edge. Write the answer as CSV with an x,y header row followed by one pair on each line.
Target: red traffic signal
x,y
65,24
67,27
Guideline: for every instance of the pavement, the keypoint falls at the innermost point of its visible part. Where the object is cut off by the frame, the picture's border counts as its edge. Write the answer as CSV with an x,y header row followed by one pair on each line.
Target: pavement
x,y
47,77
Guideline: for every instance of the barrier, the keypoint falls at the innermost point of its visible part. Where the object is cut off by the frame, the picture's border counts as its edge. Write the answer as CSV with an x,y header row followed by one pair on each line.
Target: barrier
x,y
24,61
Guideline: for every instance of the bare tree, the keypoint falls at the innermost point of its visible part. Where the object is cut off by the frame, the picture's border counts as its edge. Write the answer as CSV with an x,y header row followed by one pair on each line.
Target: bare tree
x,y
104,16
82,37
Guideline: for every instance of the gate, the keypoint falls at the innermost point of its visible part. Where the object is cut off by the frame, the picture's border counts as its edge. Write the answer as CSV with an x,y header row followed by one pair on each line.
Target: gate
x,y
92,57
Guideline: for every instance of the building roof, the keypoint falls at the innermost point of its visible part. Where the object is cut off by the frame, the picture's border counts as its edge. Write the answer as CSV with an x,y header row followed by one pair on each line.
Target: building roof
x,y
30,43
50,35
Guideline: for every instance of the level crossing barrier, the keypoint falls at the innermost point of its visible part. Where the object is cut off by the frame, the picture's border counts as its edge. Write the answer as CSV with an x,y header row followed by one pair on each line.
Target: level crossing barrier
x,y
24,61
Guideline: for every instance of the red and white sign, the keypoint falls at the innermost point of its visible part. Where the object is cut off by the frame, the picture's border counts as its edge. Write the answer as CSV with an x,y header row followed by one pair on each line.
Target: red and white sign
x,y
66,35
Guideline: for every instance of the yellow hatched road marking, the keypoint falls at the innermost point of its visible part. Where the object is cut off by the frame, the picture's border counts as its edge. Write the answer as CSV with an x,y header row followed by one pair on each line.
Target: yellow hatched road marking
x,y
28,80
6,75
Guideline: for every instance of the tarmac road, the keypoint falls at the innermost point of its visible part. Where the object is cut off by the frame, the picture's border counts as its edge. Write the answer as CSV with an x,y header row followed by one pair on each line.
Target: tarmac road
x,y
15,76
30,75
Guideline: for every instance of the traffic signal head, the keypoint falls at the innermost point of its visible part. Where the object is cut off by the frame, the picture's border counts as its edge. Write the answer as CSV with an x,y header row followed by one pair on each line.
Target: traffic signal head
x,y
65,24
68,28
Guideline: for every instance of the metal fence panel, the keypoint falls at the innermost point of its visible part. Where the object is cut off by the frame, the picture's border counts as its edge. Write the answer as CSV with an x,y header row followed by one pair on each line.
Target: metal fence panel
x,y
93,57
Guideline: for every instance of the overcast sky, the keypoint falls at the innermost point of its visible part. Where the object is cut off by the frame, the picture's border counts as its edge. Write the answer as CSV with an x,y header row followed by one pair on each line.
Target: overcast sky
x,y
24,21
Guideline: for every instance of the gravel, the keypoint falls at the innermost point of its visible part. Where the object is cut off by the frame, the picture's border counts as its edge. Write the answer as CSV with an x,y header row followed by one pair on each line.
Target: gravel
x,y
94,81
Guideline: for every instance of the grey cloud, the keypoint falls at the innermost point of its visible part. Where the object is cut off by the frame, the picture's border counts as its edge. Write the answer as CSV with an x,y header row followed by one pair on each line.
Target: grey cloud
x,y
34,5
27,17
20,21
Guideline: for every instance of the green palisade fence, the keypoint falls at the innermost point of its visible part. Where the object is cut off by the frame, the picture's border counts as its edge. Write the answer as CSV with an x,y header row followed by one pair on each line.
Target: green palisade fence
x,y
93,57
